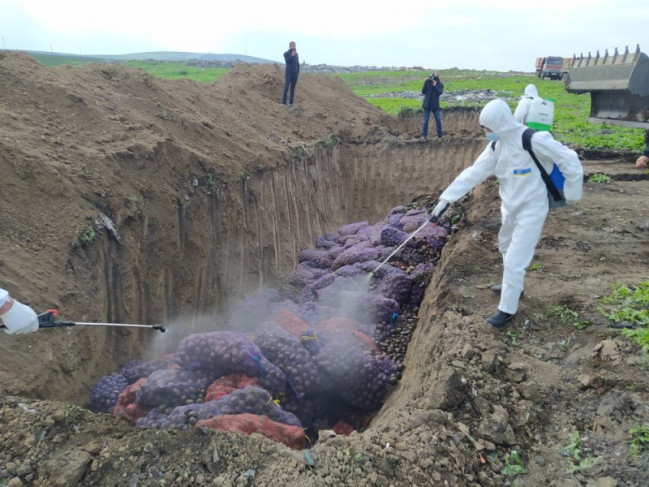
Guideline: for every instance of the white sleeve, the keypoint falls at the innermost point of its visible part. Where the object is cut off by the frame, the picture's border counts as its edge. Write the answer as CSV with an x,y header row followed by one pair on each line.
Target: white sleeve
x,y
483,167
4,295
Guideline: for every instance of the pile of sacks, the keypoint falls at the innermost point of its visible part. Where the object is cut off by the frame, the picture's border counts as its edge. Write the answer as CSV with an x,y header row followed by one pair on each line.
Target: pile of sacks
x,y
296,365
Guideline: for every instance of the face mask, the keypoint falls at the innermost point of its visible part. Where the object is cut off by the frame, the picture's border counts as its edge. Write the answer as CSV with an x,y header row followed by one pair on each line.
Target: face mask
x,y
492,136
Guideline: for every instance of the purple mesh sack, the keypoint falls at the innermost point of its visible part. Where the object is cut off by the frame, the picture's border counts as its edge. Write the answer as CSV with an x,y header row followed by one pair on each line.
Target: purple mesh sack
x,y
396,285
320,259
360,379
352,228
270,376
104,394
173,387
322,243
287,352
219,353
392,237
136,369
358,253
305,274
413,219
250,399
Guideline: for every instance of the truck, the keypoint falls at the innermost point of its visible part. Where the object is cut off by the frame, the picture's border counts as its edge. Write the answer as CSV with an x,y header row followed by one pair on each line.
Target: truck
x,y
618,84
552,67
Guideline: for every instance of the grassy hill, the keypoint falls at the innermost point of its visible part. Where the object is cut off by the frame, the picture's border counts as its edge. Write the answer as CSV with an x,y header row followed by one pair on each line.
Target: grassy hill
x,y
397,91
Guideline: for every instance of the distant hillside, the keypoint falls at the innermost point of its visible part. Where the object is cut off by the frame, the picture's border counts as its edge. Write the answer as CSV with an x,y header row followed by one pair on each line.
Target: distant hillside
x,y
158,56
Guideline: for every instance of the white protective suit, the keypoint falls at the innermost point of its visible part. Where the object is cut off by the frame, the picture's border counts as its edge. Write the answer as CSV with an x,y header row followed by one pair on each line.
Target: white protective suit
x,y
524,104
523,193
18,318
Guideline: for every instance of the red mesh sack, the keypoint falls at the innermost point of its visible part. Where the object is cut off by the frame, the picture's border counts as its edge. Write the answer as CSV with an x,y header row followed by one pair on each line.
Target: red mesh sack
x,y
126,405
349,328
342,428
335,325
291,436
291,322
227,384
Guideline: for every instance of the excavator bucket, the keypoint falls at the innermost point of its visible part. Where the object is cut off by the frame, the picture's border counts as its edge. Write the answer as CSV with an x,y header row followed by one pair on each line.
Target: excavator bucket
x,y
618,86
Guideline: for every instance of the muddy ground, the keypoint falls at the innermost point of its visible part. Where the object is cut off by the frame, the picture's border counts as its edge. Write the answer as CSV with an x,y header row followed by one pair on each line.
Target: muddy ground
x,y
198,194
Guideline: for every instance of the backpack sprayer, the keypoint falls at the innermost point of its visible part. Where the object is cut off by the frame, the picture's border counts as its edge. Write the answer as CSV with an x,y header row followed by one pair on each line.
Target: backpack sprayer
x,y
48,320
432,219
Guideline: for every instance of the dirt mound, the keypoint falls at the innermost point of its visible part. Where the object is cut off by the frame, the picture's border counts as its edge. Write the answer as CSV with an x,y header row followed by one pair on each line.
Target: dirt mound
x,y
130,199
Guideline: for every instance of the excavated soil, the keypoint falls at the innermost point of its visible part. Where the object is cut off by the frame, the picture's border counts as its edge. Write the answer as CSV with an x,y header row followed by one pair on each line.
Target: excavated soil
x,y
129,199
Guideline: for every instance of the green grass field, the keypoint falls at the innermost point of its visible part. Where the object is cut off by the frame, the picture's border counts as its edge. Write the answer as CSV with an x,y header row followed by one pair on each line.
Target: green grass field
x,y
383,89
171,70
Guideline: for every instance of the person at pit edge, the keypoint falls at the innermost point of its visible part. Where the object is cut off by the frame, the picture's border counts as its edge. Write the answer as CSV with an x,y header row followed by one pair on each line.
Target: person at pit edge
x,y
523,193
432,90
292,72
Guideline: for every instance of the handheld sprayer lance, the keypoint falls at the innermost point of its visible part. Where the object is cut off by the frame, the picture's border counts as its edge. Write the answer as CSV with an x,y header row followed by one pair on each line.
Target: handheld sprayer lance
x,y
47,320
432,219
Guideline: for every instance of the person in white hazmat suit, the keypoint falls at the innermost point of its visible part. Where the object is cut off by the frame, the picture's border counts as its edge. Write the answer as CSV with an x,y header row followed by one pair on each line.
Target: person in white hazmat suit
x,y
524,195
523,107
16,316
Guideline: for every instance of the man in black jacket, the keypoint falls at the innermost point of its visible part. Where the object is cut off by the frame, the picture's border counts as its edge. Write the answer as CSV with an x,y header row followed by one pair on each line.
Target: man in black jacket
x,y
292,72
432,90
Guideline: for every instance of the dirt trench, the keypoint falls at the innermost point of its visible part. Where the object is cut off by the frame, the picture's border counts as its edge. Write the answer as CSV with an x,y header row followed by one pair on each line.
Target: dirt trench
x,y
198,195
181,227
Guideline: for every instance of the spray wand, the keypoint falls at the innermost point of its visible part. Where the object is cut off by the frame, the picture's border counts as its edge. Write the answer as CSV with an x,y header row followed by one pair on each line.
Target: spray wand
x,y
48,320
433,219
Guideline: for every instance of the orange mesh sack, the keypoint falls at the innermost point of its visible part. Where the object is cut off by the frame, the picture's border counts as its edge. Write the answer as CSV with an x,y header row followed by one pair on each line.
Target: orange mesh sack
x,y
227,384
291,322
291,436
126,405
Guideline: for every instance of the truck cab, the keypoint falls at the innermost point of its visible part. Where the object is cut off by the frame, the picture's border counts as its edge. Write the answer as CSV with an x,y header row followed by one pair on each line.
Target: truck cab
x,y
550,67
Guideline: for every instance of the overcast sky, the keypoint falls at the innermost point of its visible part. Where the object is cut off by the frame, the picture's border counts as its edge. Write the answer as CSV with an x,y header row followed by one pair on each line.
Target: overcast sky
x,y
498,35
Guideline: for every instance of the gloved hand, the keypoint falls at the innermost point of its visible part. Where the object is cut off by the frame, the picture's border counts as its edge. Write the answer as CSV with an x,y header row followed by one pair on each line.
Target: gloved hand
x,y
19,318
439,209
642,162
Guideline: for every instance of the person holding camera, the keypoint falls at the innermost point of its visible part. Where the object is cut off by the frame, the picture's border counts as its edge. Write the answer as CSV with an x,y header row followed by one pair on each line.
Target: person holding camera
x,y
432,90
292,72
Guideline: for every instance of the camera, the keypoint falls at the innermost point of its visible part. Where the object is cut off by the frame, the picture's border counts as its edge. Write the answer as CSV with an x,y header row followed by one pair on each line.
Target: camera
x,y
433,77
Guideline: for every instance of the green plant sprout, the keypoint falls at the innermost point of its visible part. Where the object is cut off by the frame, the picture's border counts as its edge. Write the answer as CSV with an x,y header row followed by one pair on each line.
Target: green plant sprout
x,y
513,464
536,267
568,316
85,238
513,336
573,452
639,440
629,305
599,178
73,414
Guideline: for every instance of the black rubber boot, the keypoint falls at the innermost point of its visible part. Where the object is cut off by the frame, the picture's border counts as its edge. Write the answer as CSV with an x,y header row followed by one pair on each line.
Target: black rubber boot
x,y
499,319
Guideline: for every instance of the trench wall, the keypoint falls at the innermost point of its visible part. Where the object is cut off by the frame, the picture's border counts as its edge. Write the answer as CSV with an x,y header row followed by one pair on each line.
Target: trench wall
x,y
183,267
